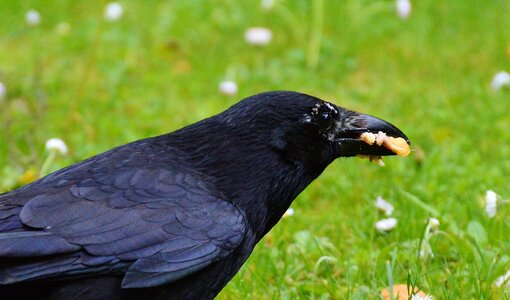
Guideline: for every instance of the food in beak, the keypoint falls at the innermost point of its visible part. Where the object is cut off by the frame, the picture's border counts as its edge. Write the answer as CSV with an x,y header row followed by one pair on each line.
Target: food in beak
x,y
399,146
372,158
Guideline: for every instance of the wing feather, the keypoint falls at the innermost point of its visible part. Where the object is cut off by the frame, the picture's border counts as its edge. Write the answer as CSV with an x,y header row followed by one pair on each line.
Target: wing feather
x,y
156,222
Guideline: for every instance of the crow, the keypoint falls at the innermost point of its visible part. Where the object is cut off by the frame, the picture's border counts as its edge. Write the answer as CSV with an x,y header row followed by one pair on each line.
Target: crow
x,y
174,216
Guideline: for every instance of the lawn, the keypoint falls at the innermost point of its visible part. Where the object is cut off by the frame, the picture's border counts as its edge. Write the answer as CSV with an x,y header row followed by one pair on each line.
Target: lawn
x,y
99,83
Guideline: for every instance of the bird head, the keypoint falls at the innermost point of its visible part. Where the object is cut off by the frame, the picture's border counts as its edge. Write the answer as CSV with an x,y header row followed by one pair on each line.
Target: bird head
x,y
310,131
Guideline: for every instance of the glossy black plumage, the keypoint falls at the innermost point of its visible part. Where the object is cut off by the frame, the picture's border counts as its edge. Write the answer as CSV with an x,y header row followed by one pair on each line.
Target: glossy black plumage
x,y
173,216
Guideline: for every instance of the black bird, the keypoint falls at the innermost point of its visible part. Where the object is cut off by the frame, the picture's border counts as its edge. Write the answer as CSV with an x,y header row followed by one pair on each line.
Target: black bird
x,y
173,216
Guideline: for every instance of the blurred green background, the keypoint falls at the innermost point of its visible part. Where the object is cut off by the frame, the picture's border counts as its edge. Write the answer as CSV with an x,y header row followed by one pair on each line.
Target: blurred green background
x,y
98,83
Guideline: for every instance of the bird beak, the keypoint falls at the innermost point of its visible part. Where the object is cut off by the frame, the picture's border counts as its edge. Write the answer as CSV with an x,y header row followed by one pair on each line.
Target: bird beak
x,y
351,143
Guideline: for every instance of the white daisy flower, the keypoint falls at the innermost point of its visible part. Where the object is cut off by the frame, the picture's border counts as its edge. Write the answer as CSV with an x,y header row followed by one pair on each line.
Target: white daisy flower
x,y
228,87
384,206
491,203
113,11
288,213
426,250
503,280
3,91
434,223
258,36
385,225
33,17
403,8
501,79
56,145
267,4
419,297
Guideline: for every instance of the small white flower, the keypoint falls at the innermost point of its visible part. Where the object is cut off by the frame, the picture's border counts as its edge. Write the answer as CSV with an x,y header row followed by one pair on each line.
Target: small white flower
x,y
403,8
386,224
434,223
113,11
491,200
500,80
56,145
288,213
267,4
383,206
418,297
426,250
2,91
228,87
258,36
503,280
33,17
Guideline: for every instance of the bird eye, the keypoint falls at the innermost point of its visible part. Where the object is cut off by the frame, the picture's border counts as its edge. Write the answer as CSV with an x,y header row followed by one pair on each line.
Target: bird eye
x,y
325,121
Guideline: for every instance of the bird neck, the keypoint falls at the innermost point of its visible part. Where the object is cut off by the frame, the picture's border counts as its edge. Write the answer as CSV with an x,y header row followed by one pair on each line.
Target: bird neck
x,y
252,175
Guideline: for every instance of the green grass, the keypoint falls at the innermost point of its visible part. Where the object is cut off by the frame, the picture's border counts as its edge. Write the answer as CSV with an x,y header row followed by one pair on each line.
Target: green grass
x,y
158,68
